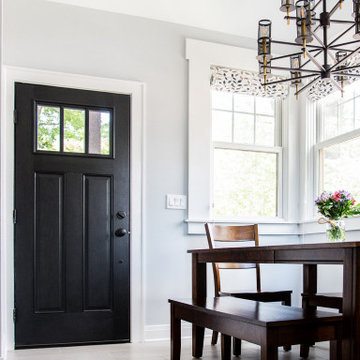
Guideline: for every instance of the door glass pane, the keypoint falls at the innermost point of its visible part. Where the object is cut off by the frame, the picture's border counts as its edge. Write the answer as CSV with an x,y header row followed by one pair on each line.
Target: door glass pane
x,y
245,183
99,132
74,130
48,128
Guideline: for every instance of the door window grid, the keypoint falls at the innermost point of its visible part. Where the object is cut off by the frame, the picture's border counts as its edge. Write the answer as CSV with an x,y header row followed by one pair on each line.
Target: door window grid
x,y
66,129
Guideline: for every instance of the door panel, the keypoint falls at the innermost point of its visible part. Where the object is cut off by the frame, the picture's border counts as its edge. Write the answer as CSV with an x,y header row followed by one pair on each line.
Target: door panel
x,y
98,281
71,177
49,247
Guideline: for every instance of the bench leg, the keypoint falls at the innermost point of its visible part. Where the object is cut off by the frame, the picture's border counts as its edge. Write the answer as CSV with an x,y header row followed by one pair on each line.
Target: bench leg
x,y
225,347
175,335
304,351
214,338
197,341
287,302
236,346
269,352
335,349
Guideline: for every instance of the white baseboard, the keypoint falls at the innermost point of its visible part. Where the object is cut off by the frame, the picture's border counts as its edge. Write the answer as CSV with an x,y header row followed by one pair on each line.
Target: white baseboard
x,y
162,332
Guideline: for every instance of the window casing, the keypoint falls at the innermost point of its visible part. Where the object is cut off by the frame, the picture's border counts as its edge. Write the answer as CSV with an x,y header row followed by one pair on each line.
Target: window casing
x,y
246,156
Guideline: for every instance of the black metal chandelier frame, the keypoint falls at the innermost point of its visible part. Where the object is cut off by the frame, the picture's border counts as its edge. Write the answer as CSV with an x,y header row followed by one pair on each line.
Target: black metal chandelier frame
x,y
308,25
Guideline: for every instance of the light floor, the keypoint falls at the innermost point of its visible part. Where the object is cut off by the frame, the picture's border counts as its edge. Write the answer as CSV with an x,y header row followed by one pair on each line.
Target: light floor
x,y
158,350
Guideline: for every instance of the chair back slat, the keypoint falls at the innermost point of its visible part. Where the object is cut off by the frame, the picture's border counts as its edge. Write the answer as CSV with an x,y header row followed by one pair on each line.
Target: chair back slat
x,y
233,233
225,233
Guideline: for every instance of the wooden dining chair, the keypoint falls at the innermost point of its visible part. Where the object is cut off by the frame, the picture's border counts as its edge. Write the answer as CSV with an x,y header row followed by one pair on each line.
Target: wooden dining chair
x,y
234,234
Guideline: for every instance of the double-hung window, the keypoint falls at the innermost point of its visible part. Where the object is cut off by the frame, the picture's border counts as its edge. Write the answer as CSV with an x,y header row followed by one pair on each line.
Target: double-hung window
x,y
338,142
246,154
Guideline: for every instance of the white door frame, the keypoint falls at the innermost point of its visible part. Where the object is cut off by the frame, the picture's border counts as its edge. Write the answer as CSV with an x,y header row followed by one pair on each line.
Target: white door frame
x,y
137,92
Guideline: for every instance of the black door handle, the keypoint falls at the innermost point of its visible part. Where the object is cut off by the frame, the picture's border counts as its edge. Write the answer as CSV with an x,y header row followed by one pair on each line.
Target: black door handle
x,y
120,232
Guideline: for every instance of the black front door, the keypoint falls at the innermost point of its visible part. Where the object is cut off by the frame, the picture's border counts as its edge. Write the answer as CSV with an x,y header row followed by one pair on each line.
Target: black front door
x,y
72,216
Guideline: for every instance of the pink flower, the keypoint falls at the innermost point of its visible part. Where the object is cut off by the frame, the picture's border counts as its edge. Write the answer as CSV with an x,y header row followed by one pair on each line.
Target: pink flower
x,y
353,202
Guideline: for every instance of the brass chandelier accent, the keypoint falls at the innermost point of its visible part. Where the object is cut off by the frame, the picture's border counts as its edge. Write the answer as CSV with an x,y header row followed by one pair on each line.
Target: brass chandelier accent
x,y
336,65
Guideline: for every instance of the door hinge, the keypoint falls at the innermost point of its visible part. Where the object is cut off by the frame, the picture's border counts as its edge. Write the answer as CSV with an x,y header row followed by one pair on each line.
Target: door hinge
x,y
15,116
14,216
14,315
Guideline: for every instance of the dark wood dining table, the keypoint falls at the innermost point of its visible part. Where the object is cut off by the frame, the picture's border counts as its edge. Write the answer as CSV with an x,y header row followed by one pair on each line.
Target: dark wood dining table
x,y
310,255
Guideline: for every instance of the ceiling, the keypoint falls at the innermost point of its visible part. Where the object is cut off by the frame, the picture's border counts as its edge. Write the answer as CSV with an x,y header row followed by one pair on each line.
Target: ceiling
x,y
237,17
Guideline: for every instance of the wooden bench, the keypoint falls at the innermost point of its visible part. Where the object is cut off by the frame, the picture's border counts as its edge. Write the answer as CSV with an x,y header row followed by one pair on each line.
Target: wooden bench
x,y
266,324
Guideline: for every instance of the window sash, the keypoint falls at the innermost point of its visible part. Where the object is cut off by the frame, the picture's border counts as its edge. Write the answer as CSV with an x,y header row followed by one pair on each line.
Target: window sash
x,y
277,150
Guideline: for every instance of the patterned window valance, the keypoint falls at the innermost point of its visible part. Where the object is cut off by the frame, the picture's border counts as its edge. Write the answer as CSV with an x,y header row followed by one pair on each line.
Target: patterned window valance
x,y
245,82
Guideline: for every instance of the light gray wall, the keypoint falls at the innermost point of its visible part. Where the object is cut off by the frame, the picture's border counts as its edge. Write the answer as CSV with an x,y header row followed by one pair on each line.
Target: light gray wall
x,y
62,38
1,65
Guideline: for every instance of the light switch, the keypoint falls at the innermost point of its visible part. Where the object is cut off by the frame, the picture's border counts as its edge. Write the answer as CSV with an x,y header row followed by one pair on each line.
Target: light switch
x,y
177,202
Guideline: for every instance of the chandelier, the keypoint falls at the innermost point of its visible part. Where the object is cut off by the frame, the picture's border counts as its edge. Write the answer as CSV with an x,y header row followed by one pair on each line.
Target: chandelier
x,y
320,61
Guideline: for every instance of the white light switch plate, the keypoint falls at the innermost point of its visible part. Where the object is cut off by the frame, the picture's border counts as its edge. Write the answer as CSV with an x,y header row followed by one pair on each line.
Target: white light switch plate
x,y
177,202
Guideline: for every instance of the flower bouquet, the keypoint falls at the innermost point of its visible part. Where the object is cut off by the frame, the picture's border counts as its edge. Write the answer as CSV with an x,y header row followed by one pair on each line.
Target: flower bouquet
x,y
334,207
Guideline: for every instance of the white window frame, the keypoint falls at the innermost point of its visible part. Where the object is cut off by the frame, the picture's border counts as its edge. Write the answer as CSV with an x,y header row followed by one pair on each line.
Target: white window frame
x,y
276,149
202,55
322,144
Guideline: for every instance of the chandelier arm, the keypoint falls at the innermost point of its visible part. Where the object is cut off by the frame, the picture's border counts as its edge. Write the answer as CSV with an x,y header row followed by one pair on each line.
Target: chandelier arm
x,y
339,21
295,44
336,84
314,61
345,43
307,85
308,61
291,69
316,5
332,56
346,74
318,39
345,58
341,35
336,6
287,80
293,54
347,68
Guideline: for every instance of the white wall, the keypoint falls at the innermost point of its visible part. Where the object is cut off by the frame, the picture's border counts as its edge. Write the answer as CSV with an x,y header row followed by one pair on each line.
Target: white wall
x,y
57,37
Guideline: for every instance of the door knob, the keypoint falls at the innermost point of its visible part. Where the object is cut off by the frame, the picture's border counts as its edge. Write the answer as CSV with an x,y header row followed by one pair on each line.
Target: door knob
x,y
120,232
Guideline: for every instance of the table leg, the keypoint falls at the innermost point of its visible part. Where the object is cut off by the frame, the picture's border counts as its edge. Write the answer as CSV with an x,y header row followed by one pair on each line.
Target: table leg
x,y
351,305
199,296
309,288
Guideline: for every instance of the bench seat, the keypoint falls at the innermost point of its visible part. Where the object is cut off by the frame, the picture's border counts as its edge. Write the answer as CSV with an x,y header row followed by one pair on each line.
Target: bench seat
x,y
266,324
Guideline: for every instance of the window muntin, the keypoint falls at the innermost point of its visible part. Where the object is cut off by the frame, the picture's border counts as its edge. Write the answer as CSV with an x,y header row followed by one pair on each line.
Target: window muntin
x,y
73,130
242,118
246,156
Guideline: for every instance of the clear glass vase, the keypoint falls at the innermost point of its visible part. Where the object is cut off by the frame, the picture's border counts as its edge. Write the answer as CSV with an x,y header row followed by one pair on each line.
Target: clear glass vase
x,y
335,230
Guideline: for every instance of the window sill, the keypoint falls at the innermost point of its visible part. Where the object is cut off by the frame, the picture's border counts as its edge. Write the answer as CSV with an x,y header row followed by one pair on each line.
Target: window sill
x,y
267,226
